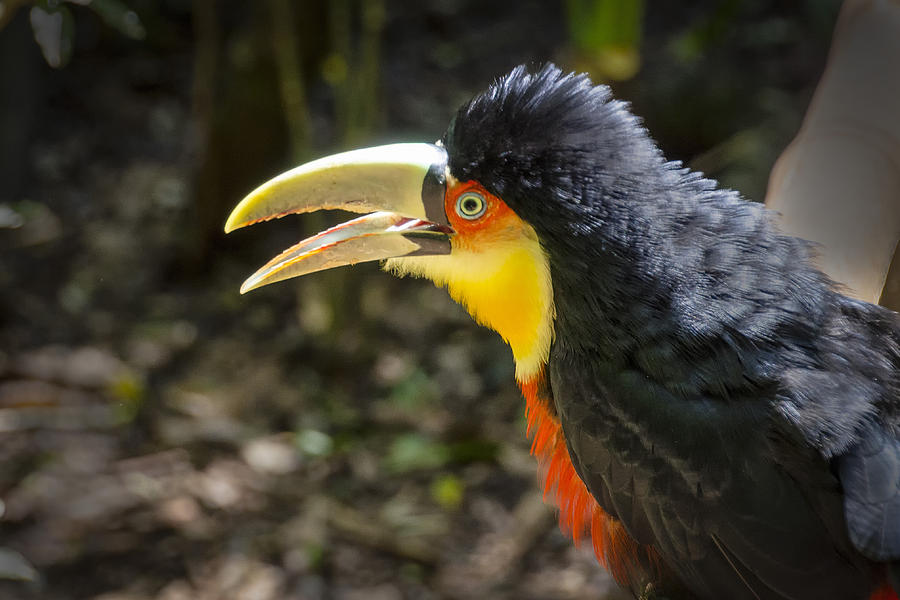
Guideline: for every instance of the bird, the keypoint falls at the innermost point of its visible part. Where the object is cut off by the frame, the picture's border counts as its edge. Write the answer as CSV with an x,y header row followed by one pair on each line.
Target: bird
x,y
706,407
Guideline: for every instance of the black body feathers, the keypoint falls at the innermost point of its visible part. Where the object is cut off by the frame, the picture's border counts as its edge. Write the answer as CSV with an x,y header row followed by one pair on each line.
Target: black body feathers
x,y
717,394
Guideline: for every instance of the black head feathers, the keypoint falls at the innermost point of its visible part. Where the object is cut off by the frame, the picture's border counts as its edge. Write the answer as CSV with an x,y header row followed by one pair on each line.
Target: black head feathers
x,y
549,131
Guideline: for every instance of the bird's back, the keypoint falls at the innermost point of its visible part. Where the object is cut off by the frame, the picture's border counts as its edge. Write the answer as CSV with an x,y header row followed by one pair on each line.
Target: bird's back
x,y
730,407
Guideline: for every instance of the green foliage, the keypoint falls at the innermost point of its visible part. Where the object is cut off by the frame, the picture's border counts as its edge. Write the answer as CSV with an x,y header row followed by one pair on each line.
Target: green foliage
x,y
314,443
414,451
354,65
473,450
129,391
315,554
607,35
448,491
708,31
415,392
117,15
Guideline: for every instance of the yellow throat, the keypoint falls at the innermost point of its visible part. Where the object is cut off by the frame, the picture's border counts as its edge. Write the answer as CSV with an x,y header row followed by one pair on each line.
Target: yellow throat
x,y
504,284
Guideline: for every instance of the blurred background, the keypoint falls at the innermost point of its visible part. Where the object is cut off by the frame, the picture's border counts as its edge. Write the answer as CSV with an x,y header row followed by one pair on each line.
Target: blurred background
x,y
347,435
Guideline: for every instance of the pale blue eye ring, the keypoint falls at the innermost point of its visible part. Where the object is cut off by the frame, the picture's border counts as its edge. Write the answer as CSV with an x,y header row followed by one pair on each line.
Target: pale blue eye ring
x,y
470,205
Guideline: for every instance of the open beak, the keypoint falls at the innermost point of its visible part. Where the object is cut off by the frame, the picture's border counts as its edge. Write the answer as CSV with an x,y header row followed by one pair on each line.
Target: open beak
x,y
401,185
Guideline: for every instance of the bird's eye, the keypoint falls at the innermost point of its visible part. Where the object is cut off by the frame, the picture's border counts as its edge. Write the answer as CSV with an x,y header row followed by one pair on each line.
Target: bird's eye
x,y
471,205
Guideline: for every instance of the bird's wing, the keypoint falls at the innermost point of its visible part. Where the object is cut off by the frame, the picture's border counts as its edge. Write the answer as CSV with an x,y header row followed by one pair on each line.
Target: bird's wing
x,y
870,474
869,470
697,482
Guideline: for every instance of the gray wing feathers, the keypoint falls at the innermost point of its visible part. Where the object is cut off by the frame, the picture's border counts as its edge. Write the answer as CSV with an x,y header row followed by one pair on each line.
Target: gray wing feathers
x,y
870,474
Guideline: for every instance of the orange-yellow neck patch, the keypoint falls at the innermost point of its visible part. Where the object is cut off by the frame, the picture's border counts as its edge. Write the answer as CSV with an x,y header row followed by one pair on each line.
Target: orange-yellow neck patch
x,y
499,273
579,512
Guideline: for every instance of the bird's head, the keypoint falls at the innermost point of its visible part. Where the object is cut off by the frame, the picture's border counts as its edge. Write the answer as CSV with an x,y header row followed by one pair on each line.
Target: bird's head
x,y
519,176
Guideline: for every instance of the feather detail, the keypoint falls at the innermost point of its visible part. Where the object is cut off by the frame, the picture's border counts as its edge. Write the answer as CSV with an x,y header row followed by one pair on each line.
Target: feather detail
x,y
579,512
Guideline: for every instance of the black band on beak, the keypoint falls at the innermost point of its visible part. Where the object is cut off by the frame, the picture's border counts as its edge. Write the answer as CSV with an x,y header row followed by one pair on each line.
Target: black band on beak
x,y
433,187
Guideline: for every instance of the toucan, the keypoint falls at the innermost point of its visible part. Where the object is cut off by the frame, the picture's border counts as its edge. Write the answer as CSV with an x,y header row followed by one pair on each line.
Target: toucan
x,y
705,405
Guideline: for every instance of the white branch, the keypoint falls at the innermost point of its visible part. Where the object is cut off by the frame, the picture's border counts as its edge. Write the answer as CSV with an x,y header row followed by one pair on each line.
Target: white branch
x,y
838,183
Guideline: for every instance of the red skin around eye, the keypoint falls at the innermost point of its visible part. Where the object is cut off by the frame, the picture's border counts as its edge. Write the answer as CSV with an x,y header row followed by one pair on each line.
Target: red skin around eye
x,y
497,216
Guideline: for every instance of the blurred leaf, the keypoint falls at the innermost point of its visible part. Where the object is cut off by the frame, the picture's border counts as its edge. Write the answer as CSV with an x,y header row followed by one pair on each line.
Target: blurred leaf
x,y
688,47
314,443
54,31
315,555
607,34
412,451
415,392
9,218
473,450
598,24
334,69
121,18
447,490
412,572
128,390
697,41
15,566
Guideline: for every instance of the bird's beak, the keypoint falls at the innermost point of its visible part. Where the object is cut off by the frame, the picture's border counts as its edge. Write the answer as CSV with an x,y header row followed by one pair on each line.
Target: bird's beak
x,y
401,186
